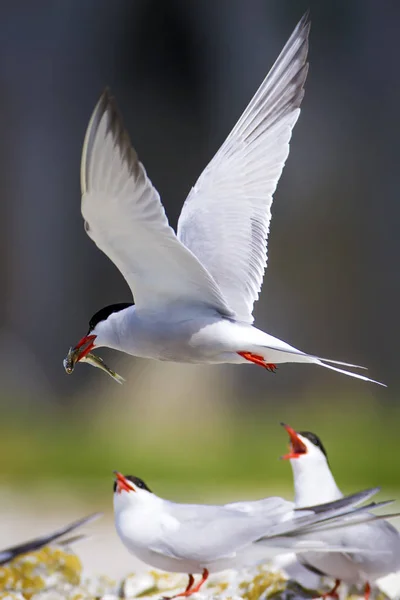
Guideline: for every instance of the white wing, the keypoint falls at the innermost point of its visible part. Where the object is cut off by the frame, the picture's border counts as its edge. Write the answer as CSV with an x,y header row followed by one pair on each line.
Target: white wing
x,y
207,533
225,219
125,218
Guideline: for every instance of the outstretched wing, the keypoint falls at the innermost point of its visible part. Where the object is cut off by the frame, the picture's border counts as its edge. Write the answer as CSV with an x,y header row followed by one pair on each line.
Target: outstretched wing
x,y
126,220
225,219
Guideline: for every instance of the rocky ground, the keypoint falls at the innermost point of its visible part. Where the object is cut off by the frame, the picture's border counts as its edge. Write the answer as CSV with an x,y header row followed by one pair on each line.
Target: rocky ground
x,y
56,573
99,567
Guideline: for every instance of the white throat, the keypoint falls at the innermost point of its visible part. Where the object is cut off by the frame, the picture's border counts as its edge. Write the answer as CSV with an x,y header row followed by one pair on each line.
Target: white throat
x,y
115,328
313,481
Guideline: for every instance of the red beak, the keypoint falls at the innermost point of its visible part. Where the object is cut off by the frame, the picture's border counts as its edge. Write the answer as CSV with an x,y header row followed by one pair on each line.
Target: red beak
x,y
84,346
297,448
123,484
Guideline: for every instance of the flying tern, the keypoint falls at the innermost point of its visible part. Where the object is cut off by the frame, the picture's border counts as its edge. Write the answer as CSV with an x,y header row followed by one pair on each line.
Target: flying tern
x,y
314,483
194,290
199,538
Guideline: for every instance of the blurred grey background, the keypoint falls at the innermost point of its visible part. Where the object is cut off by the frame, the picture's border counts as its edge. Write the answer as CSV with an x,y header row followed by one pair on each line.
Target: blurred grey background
x,y
182,72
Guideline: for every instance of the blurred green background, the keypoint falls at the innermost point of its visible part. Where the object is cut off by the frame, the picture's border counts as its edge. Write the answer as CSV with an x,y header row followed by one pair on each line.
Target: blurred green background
x,y
197,454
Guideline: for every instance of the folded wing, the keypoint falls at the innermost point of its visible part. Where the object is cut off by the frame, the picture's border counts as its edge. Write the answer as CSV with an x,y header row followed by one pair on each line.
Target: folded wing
x,y
208,533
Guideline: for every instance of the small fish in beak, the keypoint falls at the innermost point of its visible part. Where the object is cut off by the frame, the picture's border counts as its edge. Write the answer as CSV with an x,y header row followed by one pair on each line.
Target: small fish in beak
x,y
72,358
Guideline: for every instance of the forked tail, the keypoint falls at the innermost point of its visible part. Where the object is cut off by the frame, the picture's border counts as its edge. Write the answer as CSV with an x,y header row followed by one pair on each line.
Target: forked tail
x,y
322,362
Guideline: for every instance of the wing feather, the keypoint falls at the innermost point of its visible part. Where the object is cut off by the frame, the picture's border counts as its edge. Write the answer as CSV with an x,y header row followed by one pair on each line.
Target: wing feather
x,y
125,218
208,533
11,553
225,219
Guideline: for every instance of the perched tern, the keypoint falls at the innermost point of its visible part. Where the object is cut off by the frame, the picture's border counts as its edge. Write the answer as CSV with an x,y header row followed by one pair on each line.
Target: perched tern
x,y
314,483
194,291
199,538
10,553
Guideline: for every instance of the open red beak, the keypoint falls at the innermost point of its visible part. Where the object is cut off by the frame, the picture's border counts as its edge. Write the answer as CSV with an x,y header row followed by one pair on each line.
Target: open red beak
x,y
123,484
84,346
297,448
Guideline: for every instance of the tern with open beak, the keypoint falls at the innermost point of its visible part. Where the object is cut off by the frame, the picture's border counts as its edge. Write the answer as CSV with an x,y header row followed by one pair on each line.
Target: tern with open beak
x,y
314,483
194,290
204,539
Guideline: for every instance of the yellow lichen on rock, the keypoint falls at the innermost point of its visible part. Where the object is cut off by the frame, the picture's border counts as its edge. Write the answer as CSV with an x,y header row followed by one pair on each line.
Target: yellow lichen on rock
x,y
31,573
6,577
11,596
263,581
166,582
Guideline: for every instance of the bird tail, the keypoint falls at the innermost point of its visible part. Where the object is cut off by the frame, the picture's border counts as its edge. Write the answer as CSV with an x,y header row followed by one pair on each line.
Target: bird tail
x,y
342,513
39,542
322,362
278,352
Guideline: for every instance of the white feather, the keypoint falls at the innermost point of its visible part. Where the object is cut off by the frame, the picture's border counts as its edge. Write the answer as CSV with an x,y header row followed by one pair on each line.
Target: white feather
x,y
125,218
225,219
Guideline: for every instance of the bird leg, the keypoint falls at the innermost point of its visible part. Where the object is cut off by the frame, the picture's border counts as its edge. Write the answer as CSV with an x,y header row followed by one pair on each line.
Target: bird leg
x,y
258,360
189,588
367,591
333,592
191,582
185,593
203,579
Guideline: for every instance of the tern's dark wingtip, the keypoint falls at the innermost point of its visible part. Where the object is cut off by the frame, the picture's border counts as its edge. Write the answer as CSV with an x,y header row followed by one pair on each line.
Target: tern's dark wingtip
x,y
106,103
95,516
104,100
305,20
304,25
306,17
85,520
106,91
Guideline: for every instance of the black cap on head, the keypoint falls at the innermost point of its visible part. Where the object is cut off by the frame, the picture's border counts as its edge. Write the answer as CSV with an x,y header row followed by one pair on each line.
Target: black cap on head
x,y
314,439
105,312
136,481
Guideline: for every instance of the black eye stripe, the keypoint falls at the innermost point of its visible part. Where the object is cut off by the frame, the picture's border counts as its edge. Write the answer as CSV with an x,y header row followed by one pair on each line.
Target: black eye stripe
x,y
136,481
314,439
